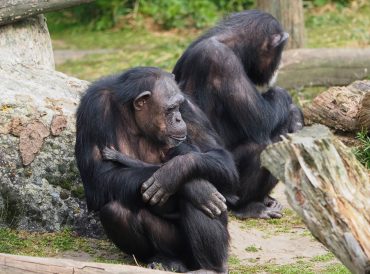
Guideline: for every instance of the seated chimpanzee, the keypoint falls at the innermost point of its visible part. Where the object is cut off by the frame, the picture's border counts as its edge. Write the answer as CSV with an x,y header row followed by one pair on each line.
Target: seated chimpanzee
x,y
220,71
152,165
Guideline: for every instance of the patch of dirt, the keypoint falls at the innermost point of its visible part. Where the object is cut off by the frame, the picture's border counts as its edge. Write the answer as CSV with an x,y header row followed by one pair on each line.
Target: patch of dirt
x,y
279,248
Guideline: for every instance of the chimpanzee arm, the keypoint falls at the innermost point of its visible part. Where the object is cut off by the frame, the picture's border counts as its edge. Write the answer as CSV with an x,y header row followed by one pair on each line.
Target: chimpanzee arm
x,y
114,155
106,181
201,193
211,163
222,80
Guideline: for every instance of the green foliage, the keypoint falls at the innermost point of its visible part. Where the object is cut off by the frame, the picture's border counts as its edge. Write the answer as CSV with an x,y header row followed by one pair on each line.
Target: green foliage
x,y
363,151
102,14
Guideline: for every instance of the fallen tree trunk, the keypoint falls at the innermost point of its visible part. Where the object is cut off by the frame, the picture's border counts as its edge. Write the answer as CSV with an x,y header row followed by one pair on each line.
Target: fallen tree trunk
x,y
342,108
323,67
15,10
14,264
329,189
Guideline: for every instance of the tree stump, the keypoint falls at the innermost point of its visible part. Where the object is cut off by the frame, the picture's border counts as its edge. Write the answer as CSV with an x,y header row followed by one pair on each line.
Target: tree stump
x,y
345,109
329,189
290,14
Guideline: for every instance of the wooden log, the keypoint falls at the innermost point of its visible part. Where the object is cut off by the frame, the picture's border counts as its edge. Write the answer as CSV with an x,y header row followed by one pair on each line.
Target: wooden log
x,y
342,108
15,10
27,43
15,264
323,67
290,14
329,189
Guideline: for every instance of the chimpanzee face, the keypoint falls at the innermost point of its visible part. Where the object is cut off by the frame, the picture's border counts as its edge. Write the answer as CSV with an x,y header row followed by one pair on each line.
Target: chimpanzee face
x,y
157,113
268,58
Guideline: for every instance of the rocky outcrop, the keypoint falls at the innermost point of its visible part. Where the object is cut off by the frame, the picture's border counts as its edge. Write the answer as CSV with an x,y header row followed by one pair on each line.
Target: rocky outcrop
x,y
40,187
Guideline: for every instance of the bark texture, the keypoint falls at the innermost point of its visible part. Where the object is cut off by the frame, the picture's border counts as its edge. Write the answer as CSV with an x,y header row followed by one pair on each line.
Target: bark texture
x,y
15,10
345,109
329,189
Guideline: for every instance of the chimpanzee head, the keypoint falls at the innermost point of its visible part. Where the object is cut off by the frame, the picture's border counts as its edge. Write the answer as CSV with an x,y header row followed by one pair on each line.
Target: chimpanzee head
x,y
157,111
258,39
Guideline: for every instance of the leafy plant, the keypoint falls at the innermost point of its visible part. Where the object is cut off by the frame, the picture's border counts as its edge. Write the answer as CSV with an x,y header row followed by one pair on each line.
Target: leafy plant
x,y
363,151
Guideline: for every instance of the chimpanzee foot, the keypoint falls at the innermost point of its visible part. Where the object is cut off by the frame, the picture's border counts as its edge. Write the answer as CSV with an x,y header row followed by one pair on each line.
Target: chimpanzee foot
x,y
109,154
259,210
272,202
205,271
167,264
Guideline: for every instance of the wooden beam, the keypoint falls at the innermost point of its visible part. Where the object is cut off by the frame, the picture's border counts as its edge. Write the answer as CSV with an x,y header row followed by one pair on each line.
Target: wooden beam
x,y
15,264
329,189
14,10
323,67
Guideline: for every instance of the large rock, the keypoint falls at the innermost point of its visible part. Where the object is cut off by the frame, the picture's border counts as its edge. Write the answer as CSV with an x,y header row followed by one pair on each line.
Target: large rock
x,y
40,187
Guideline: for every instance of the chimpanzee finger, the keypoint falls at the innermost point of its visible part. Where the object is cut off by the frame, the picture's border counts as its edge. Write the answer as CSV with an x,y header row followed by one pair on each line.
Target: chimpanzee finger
x,y
275,214
147,184
149,193
156,197
220,196
215,210
164,199
207,211
219,203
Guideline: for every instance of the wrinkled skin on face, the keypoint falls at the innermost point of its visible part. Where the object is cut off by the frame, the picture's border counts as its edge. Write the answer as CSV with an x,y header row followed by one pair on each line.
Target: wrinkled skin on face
x,y
157,113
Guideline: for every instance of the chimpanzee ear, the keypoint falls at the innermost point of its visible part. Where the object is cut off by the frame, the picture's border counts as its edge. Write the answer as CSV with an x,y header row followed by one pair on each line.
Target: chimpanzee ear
x,y
141,99
277,39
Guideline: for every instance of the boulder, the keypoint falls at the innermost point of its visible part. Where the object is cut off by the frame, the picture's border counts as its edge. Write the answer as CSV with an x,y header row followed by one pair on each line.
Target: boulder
x,y
40,186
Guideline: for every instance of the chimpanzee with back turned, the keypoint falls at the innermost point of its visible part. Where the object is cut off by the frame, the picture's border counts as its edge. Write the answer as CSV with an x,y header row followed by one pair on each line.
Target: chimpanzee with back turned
x,y
159,196
220,72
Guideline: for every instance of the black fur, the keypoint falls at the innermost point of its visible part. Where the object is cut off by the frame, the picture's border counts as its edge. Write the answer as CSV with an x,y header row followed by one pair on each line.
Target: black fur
x,y
192,241
220,71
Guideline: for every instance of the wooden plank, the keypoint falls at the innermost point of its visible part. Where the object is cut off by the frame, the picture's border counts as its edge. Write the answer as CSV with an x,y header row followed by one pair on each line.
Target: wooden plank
x,y
14,264
323,67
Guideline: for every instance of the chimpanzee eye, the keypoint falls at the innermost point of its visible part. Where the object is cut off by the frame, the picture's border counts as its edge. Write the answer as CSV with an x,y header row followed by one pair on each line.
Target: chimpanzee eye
x,y
171,109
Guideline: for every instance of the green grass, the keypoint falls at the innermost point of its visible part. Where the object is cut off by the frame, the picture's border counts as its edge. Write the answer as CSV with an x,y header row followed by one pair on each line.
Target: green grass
x,y
363,151
252,248
129,49
333,27
57,244
299,267
273,226
323,258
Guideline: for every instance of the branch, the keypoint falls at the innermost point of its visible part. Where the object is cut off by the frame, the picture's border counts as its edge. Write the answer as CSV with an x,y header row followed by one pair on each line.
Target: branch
x,y
329,189
14,10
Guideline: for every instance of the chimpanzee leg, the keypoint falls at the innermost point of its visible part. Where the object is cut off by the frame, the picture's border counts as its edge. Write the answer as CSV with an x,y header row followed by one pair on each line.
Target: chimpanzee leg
x,y
143,234
208,238
255,185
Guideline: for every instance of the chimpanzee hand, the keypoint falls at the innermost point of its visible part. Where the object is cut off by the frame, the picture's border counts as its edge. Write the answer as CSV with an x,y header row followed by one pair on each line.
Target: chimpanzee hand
x,y
296,120
161,185
203,195
278,97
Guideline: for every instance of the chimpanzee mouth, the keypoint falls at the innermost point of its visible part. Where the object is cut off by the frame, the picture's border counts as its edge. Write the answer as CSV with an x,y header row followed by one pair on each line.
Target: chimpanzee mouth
x,y
178,138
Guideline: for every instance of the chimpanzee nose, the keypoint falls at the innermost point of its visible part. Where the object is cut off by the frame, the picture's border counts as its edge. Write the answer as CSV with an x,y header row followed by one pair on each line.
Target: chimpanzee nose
x,y
178,119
